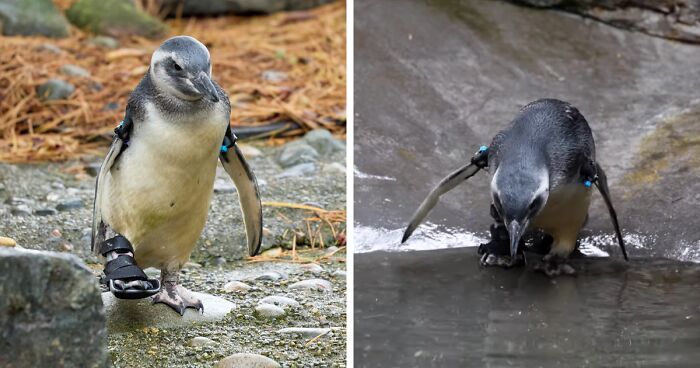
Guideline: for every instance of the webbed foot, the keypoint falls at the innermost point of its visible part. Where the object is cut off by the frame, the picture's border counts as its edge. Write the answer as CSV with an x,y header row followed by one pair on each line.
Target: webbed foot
x,y
553,265
176,296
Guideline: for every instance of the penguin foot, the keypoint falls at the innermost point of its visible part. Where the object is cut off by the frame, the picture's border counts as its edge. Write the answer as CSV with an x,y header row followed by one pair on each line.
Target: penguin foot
x,y
176,296
499,260
554,265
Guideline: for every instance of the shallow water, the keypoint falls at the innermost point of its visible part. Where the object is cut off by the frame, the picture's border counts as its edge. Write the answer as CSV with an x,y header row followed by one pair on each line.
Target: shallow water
x,y
434,80
440,309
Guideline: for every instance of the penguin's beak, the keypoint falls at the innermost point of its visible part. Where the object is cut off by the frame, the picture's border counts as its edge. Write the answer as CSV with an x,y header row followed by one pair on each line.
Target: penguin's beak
x,y
515,230
204,85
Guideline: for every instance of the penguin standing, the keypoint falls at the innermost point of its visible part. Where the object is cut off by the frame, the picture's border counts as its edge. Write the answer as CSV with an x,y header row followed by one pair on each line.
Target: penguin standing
x,y
543,166
156,183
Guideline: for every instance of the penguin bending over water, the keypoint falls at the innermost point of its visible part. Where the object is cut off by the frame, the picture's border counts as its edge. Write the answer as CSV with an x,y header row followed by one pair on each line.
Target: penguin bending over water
x,y
156,183
543,166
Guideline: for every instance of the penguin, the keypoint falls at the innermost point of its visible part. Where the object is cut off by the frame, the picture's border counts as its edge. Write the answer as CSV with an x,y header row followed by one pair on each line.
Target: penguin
x,y
156,182
542,167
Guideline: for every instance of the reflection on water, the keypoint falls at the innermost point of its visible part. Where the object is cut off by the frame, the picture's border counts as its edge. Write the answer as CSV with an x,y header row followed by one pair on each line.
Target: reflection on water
x,y
440,309
428,236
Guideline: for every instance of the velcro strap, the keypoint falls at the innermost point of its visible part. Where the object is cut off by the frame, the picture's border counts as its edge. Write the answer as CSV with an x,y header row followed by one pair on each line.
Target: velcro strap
x,y
119,262
127,273
117,243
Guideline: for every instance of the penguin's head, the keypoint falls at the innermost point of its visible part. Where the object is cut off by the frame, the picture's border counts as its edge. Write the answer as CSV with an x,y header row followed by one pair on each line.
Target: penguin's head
x,y
181,68
519,193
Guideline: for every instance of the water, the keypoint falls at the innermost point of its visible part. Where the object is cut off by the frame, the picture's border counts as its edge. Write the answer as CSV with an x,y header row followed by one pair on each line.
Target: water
x,y
434,80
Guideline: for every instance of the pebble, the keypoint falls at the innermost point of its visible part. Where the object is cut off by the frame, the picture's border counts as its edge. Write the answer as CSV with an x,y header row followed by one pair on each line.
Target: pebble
x,y
247,360
272,253
69,204
334,168
272,276
21,210
269,311
249,151
323,142
306,332
295,153
280,301
274,76
339,274
45,211
222,185
312,267
110,106
54,89
313,284
53,197
332,250
93,169
48,47
236,287
200,341
297,170
74,71
7,242
105,41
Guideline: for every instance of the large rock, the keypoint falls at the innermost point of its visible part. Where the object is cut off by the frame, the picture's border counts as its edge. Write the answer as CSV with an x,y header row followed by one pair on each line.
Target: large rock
x,y
217,7
129,315
114,18
673,19
32,17
50,311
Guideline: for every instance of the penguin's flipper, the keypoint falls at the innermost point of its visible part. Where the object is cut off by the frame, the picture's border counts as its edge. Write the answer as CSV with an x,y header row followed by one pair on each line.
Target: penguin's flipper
x,y
119,144
247,187
602,184
445,185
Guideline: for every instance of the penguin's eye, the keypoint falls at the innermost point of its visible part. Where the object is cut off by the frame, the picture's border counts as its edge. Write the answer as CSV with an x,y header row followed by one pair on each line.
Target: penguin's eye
x,y
177,66
535,204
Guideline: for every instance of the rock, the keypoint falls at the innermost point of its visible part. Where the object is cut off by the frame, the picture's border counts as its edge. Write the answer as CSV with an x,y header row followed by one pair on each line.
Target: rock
x,y
47,211
272,276
110,106
313,268
249,151
7,242
54,89
334,168
272,253
114,18
53,197
280,301
130,315
274,76
200,341
245,7
18,200
247,360
236,287
222,185
331,250
339,274
313,284
323,142
50,311
70,204
104,41
295,153
672,19
93,169
306,332
32,17
298,170
269,311
73,71
48,47
21,210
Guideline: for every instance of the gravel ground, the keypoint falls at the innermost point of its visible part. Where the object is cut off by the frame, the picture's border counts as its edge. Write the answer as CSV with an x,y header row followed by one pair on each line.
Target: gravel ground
x,y
49,207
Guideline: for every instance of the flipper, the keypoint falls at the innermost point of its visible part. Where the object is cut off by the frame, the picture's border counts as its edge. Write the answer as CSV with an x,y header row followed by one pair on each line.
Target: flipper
x,y
119,143
124,278
247,187
601,183
478,162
